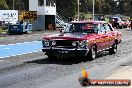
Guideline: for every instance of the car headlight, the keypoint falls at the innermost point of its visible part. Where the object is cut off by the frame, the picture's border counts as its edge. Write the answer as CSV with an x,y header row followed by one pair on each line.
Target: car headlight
x,y
74,43
53,43
45,43
82,43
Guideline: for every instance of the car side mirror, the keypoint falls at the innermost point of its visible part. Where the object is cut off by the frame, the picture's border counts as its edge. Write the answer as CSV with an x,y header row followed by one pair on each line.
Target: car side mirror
x,y
61,30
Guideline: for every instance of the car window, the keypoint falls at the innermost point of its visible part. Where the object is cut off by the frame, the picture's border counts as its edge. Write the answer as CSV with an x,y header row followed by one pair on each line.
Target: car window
x,y
101,29
90,27
96,28
84,28
107,27
115,19
67,27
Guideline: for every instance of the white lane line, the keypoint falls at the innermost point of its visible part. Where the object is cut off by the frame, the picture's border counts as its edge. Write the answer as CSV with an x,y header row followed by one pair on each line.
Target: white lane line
x,y
20,43
2,45
11,44
36,34
26,42
6,48
21,54
1,60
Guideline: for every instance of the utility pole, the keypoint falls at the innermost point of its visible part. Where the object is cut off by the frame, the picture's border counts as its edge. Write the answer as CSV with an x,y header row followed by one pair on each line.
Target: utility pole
x,y
78,9
93,8
13,4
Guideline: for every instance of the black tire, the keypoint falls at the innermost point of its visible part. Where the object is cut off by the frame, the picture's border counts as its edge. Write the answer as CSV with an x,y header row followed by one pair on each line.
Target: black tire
x,y
113,50
120,27
124,26
117,25
51,57
92,53
28,32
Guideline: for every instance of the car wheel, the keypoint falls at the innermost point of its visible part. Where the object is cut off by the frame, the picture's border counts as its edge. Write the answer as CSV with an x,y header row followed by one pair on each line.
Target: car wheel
x,y
124,26
117,26
113,50
92,53
28,32
120,26
51,57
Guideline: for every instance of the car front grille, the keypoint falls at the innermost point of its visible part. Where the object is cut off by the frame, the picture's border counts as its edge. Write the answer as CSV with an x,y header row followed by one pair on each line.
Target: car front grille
x,y
64,43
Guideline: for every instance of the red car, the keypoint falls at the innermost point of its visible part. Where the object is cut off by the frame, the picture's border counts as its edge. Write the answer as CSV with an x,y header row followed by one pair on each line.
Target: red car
x,y
126,23
82,38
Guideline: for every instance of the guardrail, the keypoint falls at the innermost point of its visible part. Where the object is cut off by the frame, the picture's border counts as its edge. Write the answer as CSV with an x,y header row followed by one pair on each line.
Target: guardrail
x,y
60,21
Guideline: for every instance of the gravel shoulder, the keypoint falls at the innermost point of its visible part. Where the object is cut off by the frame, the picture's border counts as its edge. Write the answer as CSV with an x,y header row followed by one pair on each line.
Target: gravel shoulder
x,y
34,36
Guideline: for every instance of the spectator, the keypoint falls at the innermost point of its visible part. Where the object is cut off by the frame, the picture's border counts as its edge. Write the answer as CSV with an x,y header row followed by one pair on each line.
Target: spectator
x,y
70,19
107,19
50,26
21,22
102,18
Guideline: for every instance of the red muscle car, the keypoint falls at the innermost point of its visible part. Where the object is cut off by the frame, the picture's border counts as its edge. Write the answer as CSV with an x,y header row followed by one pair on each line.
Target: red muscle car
x,y
82,38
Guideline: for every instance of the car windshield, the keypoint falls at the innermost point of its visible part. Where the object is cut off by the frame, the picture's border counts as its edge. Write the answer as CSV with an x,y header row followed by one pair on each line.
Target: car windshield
x,y
83,28
115,19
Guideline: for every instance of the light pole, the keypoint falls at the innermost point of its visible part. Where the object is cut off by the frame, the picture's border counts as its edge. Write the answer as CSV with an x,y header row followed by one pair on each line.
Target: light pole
x,y
13,4
78,9
93,8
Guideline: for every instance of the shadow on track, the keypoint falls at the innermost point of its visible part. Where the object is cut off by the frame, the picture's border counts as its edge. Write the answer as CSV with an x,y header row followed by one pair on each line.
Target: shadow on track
x,y
66,61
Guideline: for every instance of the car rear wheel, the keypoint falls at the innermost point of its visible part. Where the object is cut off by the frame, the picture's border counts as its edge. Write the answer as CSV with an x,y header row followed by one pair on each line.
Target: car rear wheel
x,y
28,32
51,57
92,53
120,27
113,50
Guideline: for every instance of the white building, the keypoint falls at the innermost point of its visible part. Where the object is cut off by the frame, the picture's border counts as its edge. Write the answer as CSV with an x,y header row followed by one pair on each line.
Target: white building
x,y
46,11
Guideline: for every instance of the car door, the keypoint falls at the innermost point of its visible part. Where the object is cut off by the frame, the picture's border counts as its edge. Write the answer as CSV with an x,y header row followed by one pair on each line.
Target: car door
x,y
109,36
101,38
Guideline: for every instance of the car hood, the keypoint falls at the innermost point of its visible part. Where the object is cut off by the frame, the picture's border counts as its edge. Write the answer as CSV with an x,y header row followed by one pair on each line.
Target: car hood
x,y
68,36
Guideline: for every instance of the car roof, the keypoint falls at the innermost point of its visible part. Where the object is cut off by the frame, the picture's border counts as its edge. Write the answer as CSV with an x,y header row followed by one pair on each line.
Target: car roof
x,y
94,22
116,17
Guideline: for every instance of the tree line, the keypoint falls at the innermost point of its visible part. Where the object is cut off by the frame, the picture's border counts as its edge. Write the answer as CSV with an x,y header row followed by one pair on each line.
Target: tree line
x,y
105,7
68,8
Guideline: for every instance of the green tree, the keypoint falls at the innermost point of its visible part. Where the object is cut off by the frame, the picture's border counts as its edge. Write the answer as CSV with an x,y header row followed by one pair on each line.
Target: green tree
x,y
86,6
26,4
101,6
129,12
3,5
66,8
19,4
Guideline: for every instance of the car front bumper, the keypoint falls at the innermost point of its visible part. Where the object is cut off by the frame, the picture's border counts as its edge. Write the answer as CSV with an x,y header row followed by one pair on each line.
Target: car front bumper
x,y
65,51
